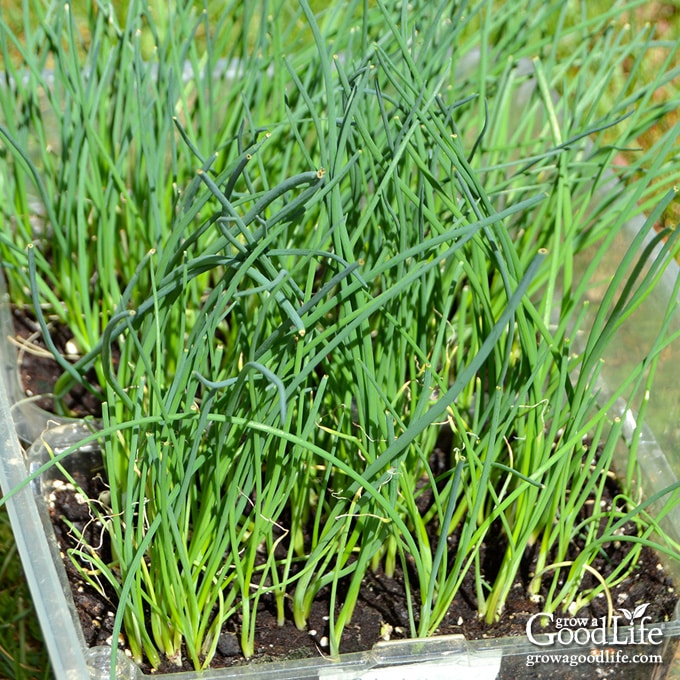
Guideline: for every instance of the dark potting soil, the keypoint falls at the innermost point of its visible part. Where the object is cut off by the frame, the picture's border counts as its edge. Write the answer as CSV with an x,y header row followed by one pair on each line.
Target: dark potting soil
x,y
39,371
381,612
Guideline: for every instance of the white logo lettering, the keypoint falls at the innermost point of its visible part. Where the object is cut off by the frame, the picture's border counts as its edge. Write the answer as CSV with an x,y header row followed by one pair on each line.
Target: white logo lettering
x,y
545,630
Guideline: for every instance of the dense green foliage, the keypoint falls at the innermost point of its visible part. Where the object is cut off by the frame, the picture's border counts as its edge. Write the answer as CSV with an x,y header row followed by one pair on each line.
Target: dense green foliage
x,y
293,251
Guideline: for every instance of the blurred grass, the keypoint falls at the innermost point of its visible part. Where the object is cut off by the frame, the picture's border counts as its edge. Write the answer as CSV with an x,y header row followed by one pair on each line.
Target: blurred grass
x,y
22,653
665,17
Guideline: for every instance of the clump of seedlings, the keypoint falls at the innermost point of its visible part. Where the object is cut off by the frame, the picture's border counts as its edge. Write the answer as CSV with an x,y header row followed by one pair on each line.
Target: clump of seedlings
x,y
295,247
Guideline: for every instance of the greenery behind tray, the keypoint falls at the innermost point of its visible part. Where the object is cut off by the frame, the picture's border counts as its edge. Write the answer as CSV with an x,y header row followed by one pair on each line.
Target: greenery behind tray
x,y
294,252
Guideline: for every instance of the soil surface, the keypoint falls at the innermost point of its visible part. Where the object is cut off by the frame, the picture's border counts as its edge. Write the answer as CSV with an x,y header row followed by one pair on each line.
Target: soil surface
x,y
39,371
381,612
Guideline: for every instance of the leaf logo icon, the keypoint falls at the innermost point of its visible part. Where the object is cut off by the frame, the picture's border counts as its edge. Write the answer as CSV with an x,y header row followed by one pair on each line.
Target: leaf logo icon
x,y
637,613
627,614
640,610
